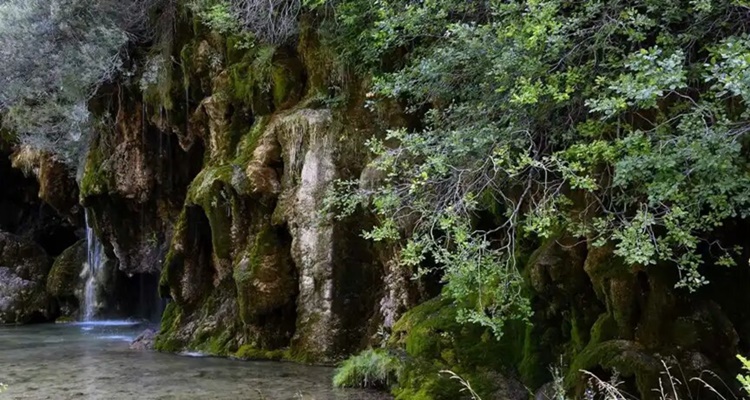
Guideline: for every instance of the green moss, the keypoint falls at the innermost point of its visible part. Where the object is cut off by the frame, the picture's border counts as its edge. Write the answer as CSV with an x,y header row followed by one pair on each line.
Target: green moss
x,y
173,258
300,355
281,85
64,275
249,142
434,341
219,345
214,343
286,81
320,60
65,320
170,317
533,367
236,48
210,191
369,369
605,328
187,64
628,358
245,274
242,82
250,75
425,383
96,177
249,352
170,321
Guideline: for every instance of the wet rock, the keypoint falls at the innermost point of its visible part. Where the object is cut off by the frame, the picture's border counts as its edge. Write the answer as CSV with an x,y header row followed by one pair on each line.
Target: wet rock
x,y
64,280
144,341
309,170
23,276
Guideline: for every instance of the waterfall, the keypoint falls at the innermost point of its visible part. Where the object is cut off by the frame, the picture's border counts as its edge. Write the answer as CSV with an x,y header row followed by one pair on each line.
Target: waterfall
x,y
91,271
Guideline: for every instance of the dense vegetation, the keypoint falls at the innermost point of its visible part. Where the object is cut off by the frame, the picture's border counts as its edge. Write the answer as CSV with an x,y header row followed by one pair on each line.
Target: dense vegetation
x,y
618,124
617,121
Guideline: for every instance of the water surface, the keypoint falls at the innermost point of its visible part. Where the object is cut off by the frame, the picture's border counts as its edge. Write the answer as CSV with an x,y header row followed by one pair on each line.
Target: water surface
x,y
93,361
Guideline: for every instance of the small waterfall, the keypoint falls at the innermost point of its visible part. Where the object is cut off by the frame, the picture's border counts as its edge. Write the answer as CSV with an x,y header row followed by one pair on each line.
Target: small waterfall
x,y
91,271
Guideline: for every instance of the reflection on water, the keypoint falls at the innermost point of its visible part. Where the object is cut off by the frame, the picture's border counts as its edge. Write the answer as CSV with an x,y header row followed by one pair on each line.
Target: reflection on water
x,y
93,361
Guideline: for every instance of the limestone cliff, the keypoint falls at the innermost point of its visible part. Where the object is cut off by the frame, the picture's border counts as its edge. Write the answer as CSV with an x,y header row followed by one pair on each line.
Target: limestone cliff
x,y
214,185
218,185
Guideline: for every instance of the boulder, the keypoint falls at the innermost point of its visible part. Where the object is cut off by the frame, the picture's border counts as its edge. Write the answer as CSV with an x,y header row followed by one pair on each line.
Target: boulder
x,y
144,341
24,267
64,280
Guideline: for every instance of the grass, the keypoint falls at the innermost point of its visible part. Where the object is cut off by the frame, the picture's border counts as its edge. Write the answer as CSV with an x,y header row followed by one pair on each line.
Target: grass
x,y
370,369
598,389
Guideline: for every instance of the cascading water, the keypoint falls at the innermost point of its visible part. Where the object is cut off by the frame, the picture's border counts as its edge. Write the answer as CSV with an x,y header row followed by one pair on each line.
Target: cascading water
x,y
91,271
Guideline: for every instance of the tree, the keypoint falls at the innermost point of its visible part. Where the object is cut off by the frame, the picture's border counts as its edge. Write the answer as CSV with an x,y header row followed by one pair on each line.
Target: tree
x,y
619,122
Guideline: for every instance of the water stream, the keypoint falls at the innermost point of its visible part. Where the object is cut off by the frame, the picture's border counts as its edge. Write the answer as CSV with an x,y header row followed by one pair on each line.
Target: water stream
x,y
92,361
95,250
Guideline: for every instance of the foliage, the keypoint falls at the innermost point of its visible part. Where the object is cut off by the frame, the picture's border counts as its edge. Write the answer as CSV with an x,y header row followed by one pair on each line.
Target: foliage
x,y
619,121
369,369
270,21
54,56
744,380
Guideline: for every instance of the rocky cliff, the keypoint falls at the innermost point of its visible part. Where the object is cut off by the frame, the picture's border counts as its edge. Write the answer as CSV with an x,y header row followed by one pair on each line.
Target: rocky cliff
x,y
218,185
212,186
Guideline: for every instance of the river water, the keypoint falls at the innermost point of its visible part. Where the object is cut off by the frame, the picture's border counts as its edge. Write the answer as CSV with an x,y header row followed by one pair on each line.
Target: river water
x,y
93,361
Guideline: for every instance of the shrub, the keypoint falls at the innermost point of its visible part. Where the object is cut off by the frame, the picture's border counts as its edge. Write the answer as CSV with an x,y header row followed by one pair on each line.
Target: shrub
x,y
527,130
369,369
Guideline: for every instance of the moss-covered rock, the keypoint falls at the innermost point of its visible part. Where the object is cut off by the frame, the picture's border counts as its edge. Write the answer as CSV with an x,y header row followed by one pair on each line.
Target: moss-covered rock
x,y
96,179
626,357
434,341
250,352
64,281
265,277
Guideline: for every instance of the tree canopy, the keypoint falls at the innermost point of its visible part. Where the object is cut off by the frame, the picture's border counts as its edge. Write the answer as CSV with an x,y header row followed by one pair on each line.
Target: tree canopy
x,y
614,121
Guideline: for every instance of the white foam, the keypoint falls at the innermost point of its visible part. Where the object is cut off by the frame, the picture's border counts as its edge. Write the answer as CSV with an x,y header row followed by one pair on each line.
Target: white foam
x,y
106,323
122,338
192,354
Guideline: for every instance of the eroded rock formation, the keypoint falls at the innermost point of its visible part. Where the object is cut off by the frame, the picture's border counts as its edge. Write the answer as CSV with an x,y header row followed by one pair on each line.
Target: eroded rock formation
x,y
216,190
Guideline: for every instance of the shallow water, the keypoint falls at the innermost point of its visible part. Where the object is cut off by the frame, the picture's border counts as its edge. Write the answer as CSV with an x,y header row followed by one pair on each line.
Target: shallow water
x,y
93,361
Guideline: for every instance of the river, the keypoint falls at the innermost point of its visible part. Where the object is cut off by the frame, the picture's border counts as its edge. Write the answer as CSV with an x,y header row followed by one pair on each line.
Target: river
x,y
93,361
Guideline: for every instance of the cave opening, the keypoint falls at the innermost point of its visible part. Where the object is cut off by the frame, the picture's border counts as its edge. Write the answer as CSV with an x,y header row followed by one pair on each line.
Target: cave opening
x,y
136,296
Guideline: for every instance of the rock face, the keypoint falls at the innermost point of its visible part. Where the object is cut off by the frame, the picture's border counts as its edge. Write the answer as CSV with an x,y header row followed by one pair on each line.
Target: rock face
x,y
57,186
23,276
218,186
144,341
24,213
31,230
